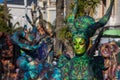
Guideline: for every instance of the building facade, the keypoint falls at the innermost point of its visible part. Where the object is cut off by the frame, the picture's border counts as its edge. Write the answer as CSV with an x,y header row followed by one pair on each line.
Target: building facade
x,y
18,15
49,11
17,9
114,19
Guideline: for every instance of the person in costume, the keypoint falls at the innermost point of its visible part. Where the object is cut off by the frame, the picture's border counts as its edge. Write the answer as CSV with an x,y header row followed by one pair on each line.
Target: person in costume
x,y
27,62
7,56
46,49
82,29
109,52
33,45
44,35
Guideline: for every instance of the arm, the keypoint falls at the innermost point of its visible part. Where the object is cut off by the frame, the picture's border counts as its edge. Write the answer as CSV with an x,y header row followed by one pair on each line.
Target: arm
x,y
17,35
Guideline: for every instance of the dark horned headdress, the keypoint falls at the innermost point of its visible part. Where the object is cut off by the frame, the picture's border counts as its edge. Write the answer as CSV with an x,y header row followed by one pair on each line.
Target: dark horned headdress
x,y
86,25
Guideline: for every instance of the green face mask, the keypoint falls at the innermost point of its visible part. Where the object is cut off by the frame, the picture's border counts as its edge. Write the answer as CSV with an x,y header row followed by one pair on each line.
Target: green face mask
x,y
79,45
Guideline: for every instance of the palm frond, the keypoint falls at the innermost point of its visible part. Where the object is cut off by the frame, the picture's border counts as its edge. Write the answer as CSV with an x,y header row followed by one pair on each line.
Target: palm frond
x,y
64,34
86,6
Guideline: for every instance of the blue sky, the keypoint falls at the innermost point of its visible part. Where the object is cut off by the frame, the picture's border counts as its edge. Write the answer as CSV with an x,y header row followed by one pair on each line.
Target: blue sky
x,y
1,1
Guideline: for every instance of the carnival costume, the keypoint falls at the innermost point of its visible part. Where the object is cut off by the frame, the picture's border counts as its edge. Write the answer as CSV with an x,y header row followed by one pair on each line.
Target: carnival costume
x,y
82,29
30,64
25,40
7,57
109,52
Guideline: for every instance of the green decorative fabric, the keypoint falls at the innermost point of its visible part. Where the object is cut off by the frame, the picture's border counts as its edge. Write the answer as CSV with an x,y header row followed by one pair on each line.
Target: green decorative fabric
x,y
83,27
76,68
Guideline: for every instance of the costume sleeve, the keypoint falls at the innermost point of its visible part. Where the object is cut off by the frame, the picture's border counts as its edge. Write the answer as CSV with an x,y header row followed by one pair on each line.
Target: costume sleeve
x,y
16,38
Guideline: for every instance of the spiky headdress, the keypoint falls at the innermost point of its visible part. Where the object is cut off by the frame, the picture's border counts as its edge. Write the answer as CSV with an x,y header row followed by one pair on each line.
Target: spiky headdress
x,y
86,26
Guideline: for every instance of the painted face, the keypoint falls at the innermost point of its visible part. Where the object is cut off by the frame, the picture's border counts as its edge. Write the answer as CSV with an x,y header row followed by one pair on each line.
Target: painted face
x,y
79,45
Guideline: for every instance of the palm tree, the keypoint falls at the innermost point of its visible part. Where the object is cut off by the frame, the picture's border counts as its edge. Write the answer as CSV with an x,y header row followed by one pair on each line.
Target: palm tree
x,y
87,7
59,13
5,16
3,24
91,6
59,24
68,6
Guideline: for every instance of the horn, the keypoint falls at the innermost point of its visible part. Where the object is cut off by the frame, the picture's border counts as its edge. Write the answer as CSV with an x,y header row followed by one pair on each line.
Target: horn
x,y
71,19
91,29
105,18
